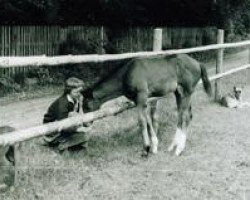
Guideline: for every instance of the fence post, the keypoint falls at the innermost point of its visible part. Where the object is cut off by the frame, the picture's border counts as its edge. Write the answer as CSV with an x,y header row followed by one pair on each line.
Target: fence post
x,y
219,64
157,41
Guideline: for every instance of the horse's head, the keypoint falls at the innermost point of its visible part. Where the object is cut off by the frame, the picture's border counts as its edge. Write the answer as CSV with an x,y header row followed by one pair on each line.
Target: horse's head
x,y
89,102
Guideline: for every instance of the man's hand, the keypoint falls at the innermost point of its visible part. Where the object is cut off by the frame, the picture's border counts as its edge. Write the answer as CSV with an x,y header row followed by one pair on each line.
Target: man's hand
x,y
81,104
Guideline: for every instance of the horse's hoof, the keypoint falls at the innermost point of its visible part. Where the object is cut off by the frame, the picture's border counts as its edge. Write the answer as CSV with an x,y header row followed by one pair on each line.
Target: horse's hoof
x,y
154,145
145,151
171,147
178,152
154,150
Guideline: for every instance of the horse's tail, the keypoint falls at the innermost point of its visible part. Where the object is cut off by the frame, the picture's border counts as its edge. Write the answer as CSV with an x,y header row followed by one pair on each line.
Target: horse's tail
x,y
206,82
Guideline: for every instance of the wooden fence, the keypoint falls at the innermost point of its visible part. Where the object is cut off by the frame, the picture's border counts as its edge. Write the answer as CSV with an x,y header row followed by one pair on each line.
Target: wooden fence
x,y
39,40
45,40
18,136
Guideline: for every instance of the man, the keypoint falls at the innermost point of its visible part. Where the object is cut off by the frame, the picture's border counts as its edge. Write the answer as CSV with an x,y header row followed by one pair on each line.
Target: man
x,y
67,105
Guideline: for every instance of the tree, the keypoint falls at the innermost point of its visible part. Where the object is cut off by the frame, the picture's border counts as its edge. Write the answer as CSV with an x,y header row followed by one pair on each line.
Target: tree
x,y
221,13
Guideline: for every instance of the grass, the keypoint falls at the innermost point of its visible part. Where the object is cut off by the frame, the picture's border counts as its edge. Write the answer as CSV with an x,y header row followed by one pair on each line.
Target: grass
x,y
214,165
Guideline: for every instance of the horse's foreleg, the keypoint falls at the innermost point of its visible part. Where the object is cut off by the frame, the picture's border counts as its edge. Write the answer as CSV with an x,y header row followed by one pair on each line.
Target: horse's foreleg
x,y
184,118
141,102
144,128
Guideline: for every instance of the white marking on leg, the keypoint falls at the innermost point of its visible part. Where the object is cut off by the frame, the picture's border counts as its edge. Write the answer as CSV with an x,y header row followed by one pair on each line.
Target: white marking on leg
x,y
143,125
179,141
154,144
146,138
172,146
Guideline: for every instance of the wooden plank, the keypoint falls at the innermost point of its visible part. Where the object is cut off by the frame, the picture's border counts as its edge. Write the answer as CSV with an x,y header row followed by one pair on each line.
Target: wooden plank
x,y
15,45
9,47
2,40
2,47
22,135
22,44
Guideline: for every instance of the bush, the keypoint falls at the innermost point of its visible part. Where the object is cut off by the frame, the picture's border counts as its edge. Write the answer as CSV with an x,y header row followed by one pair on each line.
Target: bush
x,y
7,85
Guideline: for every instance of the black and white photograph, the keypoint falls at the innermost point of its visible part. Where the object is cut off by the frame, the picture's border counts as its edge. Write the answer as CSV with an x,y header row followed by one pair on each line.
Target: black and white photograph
x,y
124,100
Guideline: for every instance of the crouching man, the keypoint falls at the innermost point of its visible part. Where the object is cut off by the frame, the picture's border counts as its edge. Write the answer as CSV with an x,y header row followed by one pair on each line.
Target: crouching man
x,y
7,162
68,105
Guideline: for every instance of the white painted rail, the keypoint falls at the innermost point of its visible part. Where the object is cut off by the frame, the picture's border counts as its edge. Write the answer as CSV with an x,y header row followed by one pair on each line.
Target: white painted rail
x,y
11,61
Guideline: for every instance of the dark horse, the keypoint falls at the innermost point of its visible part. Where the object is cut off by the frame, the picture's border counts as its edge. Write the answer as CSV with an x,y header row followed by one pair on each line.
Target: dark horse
x,y
142,78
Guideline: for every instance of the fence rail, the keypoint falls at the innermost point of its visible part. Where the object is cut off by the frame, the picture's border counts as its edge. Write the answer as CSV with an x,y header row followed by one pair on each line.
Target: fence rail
x,y
7,62
45,40
21,135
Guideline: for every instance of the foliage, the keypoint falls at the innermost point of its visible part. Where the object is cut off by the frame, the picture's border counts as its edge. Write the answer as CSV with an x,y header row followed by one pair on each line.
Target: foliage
x,y
228,14
7,84
234,18
109,12
41,73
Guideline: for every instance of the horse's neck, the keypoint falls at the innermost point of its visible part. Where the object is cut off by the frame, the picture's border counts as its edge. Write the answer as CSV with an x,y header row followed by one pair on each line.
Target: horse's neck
x,y
110,87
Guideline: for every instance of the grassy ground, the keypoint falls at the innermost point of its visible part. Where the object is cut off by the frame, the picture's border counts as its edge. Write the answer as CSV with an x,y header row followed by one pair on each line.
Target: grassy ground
x,y
214,165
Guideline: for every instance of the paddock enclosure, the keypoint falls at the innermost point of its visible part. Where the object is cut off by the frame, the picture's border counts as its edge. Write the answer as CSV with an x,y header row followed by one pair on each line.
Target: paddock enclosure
x,y
215,164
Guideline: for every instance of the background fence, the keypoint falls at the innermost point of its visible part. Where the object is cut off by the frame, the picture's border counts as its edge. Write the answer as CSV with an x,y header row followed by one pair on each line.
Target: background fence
x,y
38,40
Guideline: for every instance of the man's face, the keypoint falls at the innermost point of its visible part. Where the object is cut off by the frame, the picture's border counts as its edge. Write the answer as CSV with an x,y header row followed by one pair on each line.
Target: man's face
x,y
76,93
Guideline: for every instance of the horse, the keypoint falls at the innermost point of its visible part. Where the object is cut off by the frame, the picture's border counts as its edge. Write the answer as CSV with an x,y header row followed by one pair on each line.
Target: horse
x,y
142,78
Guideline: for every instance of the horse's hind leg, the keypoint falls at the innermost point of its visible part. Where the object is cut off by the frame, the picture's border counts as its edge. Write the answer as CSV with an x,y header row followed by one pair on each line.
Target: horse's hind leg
x,y
142,111
154,115
152,120
184,118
